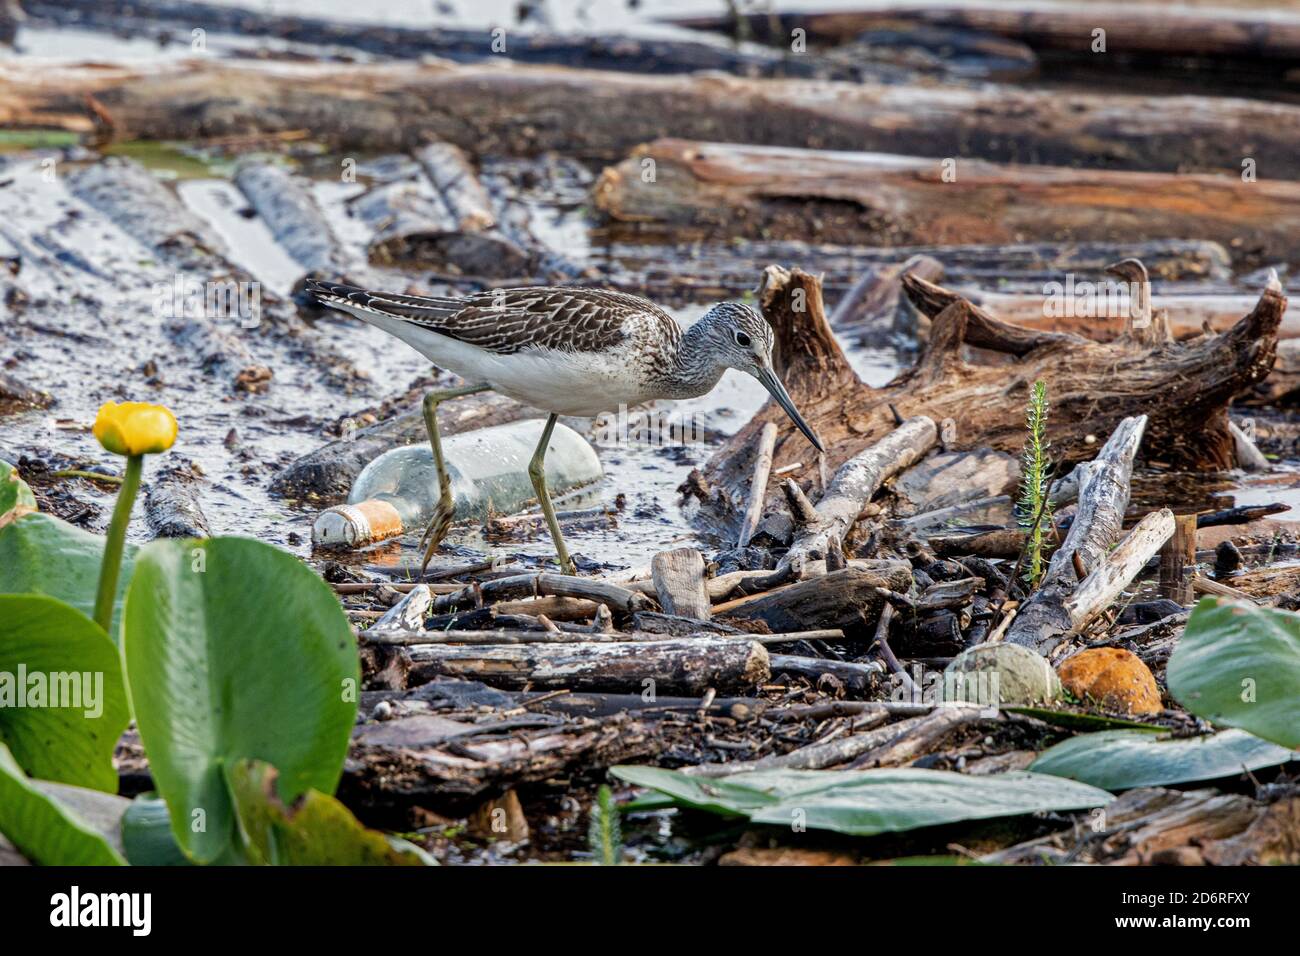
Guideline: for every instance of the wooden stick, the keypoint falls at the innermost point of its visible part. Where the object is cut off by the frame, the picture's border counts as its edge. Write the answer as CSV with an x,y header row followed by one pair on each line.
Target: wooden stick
x,y
687,667
758,483
533,585
679,582
1178,561
1095,593
856,481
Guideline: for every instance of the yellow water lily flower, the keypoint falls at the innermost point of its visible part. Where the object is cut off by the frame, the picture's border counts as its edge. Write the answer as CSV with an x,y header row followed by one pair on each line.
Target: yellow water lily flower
x,y
135,428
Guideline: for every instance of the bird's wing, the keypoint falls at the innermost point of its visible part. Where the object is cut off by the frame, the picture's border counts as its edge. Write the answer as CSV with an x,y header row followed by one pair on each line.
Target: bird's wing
x,y
505,321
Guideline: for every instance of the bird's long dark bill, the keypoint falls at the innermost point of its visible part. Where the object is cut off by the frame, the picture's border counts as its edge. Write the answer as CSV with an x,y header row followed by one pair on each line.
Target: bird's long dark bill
x,y
773,385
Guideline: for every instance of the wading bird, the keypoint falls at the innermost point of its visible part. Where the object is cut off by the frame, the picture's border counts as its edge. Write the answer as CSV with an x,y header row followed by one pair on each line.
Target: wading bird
x,y
579,352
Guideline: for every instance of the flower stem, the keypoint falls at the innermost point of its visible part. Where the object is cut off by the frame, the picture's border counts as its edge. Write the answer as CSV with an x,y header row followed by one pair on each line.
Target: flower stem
x,y
108,571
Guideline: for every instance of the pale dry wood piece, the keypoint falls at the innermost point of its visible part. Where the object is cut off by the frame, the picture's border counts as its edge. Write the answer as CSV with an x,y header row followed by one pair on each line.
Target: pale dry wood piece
x,y
679,582
677,666
864,733
1249,457
1057,608
854,484
1203,585
408,614
532,585
1178,561
710,189
452,175
533,110
920,738
285,203
1095,593
758,483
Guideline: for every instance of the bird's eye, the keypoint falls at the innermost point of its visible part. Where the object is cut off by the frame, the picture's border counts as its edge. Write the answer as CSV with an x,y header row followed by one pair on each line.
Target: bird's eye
x,y
742,340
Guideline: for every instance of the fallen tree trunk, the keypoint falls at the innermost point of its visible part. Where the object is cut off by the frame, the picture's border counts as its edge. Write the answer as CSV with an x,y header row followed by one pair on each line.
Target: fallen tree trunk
x,y
600,116
671,667
711,189
683,273
285,203
1184,388
1161,29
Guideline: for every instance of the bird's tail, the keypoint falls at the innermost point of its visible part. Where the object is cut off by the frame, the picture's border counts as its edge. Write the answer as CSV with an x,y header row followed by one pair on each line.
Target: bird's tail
x,y
363,303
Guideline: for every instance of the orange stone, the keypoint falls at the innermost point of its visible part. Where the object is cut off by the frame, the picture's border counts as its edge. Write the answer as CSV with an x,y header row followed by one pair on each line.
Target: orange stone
x,y
1114,678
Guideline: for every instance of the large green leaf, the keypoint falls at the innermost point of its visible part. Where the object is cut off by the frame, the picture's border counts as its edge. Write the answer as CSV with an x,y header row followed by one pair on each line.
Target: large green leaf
x,y
62,701
16,498
39,554
866,802
316,830
1238,665
48,823
235,650
1124,759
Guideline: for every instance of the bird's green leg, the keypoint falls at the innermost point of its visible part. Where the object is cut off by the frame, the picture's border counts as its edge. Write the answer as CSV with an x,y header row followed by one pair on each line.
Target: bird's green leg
x,y
443,514
537,472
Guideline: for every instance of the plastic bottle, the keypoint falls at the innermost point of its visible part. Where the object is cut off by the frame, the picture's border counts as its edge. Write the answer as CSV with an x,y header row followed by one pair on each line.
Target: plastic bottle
x,y
488,468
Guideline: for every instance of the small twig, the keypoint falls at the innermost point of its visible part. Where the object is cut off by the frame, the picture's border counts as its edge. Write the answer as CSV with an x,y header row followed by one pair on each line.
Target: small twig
x,y
92,475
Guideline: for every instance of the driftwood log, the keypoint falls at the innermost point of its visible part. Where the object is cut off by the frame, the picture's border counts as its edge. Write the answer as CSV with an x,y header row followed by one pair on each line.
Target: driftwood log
x,y
1153,29
711,189
600,116
1184,388
673,666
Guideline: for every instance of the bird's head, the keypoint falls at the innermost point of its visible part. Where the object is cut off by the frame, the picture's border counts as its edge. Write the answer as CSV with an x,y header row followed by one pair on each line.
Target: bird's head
x,y
743,340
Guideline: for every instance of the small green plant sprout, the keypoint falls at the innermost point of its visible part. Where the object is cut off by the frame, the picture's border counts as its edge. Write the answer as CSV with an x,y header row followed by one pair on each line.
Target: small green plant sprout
x,y
1034,508
604,836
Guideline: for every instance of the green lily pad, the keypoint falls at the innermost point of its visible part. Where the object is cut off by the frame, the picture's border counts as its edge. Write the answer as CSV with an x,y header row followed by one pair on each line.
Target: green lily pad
x,y
1124,759
235,650
39,554
62,701
867,802
1238,665
45,825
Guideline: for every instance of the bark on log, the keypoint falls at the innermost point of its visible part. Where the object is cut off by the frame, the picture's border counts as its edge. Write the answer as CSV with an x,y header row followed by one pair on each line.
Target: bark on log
x,y
414,227
1150,29
169,19
533,585
673,666
705,189
680,584
684,273
849,599
600,116
285,203
1186,388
